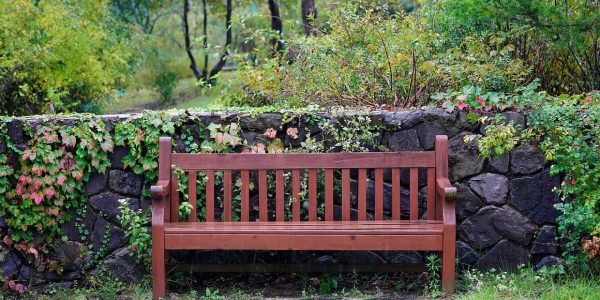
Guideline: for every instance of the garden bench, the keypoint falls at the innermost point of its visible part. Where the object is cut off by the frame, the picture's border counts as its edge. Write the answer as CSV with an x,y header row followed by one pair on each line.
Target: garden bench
x,y
436,231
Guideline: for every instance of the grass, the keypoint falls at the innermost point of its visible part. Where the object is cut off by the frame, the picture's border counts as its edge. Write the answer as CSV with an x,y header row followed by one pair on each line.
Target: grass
x,y
187,95
524,284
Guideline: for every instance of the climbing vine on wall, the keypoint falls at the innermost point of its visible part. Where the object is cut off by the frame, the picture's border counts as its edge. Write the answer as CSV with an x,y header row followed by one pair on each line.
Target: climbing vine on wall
x,y
52,171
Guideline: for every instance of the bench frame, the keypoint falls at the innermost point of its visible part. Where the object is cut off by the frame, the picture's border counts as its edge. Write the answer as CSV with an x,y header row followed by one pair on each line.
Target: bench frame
x,y
411,234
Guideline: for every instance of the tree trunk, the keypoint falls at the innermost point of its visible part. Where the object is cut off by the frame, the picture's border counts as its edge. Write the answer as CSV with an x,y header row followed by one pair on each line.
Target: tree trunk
x,y
217,68
277,26
205,37
188,43
309,9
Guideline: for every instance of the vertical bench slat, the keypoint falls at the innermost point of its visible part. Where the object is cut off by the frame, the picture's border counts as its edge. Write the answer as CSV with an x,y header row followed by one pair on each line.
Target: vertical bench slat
x,y
262,196
280,193
414,193
362,194
329,194
174,198
210,195
296,195
227,208
245,211
430,193
396,194
345,194
378,194
312,195
192,176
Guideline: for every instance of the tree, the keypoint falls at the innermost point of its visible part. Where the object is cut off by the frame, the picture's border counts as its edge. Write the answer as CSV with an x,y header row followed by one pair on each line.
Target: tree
x,y
205,75
277,26
309,17
59,56
144,13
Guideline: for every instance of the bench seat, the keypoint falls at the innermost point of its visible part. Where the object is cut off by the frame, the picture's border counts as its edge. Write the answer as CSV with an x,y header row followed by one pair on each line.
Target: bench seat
x,y
318,235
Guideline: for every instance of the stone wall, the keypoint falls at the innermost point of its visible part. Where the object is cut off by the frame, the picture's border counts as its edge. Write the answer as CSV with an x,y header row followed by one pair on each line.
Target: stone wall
x,y
505,210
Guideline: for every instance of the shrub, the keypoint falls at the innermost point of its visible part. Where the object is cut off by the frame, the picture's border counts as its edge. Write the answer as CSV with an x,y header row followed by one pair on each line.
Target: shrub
x,y
57,55
165,82
372,55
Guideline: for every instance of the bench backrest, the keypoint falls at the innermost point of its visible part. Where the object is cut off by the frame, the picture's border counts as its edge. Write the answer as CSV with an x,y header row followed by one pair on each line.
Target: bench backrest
x,y
289,179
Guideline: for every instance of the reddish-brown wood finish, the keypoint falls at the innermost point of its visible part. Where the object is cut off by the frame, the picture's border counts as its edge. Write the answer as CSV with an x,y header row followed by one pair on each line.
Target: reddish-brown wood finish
x,y
227,196
280,194
436,233
245,205
296,195
378,194
329,194
262,196
414,193
301,161
345,194
362,194
395,194
192,189
174,198
210,196
312,195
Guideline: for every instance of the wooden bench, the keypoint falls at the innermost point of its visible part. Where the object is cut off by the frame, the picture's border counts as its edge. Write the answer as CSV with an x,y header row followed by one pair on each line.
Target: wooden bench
x,y
306,230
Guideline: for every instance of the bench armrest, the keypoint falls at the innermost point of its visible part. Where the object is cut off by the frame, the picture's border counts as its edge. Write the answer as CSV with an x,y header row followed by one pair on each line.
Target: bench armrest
x,y
445,189
160,190
447,192
160,193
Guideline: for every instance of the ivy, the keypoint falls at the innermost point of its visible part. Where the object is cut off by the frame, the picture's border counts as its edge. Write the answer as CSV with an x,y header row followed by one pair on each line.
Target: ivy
x,y
50,178
140,135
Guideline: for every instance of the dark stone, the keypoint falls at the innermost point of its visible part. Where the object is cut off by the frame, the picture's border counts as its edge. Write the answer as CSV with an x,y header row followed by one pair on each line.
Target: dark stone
x,y
123,267
548,261
405,177
70,228
505,256
533,196
545,242
478,230
116,157
526,159
2,147
466,255
250,136
498,165
95,184
427,132
402,257
3,222
295,142
124,182
261,122
405,140
512,224
405,119
467,203
463,159
387,199
493,188
440,116
360,257
116,239
463,124
9,262
15,131
517,118
108,203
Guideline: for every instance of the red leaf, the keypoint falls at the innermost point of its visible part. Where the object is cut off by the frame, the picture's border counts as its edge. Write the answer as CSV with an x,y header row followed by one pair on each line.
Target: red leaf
x,y
462,105
7,240
37,198
480,100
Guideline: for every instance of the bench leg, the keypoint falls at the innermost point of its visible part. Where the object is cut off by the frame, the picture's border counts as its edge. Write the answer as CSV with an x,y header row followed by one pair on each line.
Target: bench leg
x,y
159,281
448,263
